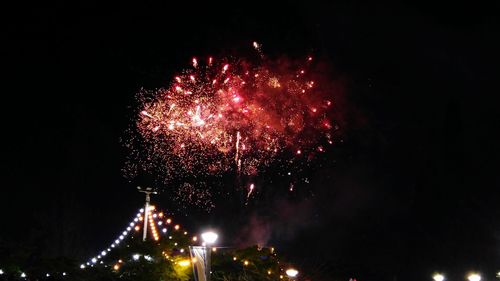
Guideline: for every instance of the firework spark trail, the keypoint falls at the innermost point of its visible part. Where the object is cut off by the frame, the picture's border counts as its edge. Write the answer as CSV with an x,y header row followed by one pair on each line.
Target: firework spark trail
x,y
225,115
250,190
237,154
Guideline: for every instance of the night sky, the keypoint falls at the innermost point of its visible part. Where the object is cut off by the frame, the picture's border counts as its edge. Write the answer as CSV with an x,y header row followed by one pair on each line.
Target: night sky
x,y
413,187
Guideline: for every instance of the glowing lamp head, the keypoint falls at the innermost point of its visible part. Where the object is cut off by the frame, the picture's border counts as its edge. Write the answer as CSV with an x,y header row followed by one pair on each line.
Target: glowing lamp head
x,y
184,263
474,277
210,237
291,272
498,274
438,277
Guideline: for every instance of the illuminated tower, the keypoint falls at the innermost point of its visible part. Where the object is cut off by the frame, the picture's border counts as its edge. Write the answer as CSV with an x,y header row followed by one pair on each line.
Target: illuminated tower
x,y
147,191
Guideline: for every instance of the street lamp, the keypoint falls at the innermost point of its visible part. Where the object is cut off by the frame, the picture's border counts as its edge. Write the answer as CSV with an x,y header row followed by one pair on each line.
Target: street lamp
x,y
209,238
292,273
438,277
498,274
474,277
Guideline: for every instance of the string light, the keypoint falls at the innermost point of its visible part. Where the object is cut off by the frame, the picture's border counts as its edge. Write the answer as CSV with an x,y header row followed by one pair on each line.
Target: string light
x,y
153,222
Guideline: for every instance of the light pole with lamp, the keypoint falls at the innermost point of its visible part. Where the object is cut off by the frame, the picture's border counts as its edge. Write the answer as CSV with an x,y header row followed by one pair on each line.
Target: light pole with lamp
x,y
209,238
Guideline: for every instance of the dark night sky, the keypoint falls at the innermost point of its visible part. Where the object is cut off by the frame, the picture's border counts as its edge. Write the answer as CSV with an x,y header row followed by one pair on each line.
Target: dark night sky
x,y
414,187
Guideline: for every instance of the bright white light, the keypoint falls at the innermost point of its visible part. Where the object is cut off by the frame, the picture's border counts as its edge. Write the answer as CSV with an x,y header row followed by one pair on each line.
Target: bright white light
x,y
128,228
112,245
64,273
164,230
1,272
438,277
291,272
148,258
498,274
136,219
94,260
99,256
209,237
160,223
142,210
103,253
136,256
124,233
23,275
474,277
155,215
117,241
47,275
132,224
121,237
82,266
109,250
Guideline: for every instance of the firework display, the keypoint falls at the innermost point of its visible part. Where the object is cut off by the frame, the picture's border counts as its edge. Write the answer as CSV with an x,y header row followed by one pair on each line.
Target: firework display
x,y
232,115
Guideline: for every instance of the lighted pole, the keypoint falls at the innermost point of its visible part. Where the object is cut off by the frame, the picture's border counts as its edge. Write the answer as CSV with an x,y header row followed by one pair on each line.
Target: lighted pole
x,y
209,238
147,191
